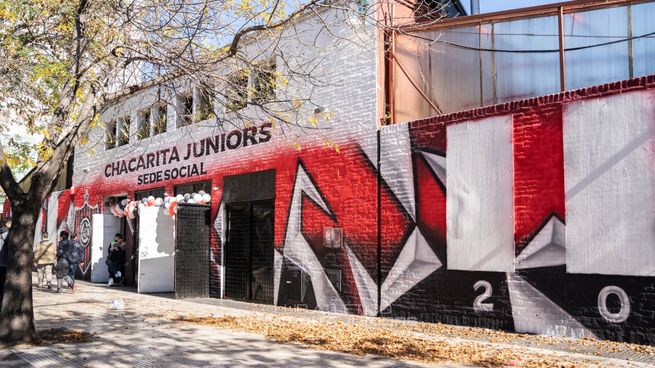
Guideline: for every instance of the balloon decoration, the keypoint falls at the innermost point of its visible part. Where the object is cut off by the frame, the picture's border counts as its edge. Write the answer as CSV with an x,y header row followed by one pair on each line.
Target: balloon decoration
x,y
129,208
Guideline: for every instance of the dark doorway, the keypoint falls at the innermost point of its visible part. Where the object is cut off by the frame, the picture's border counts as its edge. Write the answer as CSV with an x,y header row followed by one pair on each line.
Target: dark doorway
x,y
248,257
192,226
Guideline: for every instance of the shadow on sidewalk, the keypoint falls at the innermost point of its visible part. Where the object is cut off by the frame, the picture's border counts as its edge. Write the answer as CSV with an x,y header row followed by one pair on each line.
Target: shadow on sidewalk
x,y
129,338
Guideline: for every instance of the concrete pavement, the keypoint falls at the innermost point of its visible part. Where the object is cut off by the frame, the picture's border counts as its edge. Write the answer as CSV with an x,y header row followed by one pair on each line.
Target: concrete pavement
x,y
143,334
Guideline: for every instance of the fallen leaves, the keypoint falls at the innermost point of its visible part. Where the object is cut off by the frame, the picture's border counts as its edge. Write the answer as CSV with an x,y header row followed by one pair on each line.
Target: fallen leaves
x,y
64,336
399,344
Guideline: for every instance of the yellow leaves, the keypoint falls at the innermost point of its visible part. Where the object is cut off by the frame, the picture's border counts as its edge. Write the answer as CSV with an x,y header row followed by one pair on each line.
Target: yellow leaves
x,y
313,121
296,103
84,140
329,144
279,80
7,15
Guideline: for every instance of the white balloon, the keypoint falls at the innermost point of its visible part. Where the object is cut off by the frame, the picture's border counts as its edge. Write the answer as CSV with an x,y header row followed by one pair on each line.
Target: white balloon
x,y
124,202
206,198
202,192
191,201
197,197
159,202
179,197
167,204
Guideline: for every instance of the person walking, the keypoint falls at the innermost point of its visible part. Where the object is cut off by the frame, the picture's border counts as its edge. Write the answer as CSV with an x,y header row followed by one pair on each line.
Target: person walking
x,y
63,263
4,245
45,256
115,259
76,255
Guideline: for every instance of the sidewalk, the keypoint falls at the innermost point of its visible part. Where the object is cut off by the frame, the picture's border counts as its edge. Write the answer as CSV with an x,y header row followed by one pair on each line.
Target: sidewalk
x,y
145,334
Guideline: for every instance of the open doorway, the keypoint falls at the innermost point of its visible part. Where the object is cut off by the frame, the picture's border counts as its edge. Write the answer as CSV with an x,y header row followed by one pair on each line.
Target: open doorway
x,y
249,251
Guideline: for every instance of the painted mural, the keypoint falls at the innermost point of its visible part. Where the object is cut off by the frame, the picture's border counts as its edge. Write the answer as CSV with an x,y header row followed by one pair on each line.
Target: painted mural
x,y
534,217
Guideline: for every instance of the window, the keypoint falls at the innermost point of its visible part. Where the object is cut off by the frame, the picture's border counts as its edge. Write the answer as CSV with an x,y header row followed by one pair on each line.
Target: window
x,y
110,135
263,82
155,192
205,108
161,119
143,130
123,131
186,107
237,91
257,87
194,187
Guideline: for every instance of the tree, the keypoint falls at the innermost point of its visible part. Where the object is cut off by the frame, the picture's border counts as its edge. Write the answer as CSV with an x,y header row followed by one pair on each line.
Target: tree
x,y
65,62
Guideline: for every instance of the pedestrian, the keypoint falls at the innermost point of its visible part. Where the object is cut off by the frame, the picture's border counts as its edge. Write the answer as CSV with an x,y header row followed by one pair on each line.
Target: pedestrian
x,y
4,245
45,256
63,263
115,259
76,255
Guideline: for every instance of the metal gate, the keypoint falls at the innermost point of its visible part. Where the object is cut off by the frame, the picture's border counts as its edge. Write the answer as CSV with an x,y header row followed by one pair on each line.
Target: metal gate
x,y
192,251
248,257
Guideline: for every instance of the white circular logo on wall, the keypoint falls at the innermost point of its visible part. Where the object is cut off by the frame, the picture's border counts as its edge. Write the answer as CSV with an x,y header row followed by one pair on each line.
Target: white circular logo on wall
x,y
85,232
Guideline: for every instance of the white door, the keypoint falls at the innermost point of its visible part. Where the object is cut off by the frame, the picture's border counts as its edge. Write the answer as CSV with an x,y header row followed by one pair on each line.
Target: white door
x,y
104,228
156,251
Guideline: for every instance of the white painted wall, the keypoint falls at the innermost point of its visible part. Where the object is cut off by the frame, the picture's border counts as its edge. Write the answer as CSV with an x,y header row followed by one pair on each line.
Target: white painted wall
x,y
609,176
479,200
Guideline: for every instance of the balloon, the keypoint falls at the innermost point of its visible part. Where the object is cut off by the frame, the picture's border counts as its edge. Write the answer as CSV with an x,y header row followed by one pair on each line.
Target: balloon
x,y
159,202
202,192
206,198
124,202
167,204
187,196
179,197
197,197
200,202
191,201
181,201
144,200
173,200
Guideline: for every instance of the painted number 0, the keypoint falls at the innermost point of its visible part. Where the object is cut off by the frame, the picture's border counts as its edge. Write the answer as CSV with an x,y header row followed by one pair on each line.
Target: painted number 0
x,y
478,304
624,311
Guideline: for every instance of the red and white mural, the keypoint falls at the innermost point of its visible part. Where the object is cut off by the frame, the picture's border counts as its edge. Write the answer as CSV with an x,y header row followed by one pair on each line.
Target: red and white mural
x,y
536,216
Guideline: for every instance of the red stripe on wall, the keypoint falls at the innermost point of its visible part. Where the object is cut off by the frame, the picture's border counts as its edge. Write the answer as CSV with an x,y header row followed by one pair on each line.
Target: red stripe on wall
x,y
538,170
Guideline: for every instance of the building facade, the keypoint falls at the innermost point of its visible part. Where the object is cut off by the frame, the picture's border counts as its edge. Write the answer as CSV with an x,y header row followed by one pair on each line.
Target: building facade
x,y
533,216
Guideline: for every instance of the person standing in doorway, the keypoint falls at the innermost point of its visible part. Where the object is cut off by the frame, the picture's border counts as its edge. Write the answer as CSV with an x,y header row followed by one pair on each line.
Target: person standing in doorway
x,y
115,259
63,262
4,245
45,256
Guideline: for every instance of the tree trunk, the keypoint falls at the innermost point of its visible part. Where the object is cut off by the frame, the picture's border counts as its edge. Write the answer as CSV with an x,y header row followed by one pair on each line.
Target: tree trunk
x,y
16,313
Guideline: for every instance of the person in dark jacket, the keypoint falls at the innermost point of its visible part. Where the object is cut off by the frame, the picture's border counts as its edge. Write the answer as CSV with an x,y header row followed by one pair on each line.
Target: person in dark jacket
x,y
76,255
115,259
4,245
64,255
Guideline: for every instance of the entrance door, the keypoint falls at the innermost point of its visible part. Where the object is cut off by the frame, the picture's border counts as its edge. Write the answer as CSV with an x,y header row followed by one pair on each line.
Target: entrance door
x,y
104,228
249,251
192,224
156,251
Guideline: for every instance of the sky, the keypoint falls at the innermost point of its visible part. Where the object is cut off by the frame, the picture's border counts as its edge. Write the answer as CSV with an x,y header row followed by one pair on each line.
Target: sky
x,y
488,6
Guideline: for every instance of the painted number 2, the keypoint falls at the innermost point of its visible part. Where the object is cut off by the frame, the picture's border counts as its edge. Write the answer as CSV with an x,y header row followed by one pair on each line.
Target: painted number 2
x,y
478,304
624,311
